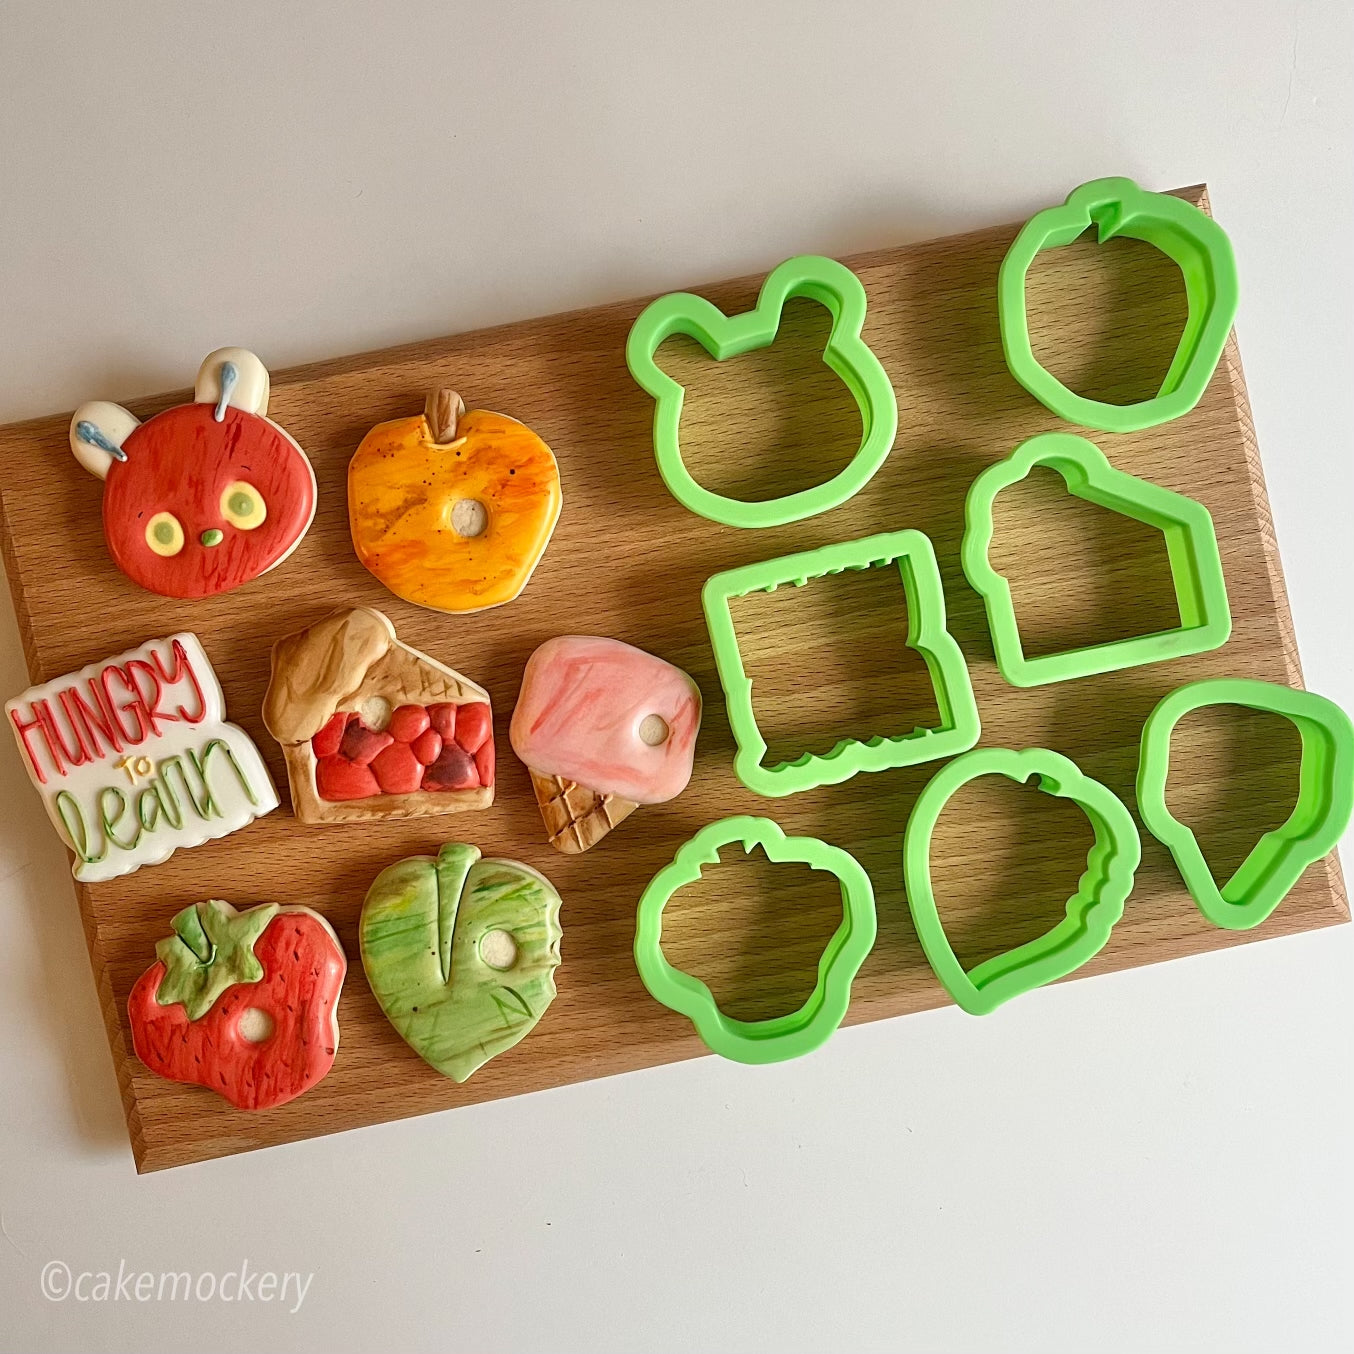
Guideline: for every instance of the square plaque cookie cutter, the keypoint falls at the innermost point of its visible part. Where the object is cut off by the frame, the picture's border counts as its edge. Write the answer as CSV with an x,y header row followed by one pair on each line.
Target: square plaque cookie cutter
x,y
835,287
1191,549
781,1037
959,727
1091,912
1191,239
1319,818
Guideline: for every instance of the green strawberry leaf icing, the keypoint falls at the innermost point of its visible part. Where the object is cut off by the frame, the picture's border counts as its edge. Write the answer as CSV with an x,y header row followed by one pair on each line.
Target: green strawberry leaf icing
x,y
461,953
212,949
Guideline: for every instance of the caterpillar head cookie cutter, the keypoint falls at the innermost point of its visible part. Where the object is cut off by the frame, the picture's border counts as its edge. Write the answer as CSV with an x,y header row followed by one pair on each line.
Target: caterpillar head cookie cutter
x,y
833,286
959,726
1092,910
1319,817
781,1037
1191,548
1191,239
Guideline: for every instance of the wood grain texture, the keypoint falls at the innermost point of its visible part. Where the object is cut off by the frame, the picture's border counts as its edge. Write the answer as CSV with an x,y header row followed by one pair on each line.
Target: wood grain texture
x,y
827,659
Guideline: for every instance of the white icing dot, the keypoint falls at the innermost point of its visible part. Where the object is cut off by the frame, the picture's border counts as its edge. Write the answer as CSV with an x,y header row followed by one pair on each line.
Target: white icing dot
x,y
653,730
469,517
498,949
256,1025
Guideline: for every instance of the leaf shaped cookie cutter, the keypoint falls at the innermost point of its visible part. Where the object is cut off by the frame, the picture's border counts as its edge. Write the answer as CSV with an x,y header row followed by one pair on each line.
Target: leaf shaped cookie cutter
x,y
1319,817
1186,235
1092,910
1191,549
781,1037
833,286
926,633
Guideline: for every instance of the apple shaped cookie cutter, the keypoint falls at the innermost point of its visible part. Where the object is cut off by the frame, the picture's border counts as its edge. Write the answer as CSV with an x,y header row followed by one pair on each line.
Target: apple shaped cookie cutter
x,y
205,496
833,286
243,1003
1191,549
1091,912
1191,239
1318,819
461,953
372,728
453,510
959,726
603,727
134,758
782,1037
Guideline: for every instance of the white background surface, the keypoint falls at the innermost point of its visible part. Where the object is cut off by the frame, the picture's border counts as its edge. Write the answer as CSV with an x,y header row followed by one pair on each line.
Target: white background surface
x,y
1156,1160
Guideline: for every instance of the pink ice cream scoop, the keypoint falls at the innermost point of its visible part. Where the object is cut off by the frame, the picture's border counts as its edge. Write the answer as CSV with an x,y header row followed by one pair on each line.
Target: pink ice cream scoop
x,y
608,716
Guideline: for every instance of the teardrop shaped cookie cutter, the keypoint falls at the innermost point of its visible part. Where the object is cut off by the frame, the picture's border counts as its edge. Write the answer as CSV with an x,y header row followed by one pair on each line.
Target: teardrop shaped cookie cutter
x,y
781,1037
1091,912
1191,239
833,286
1319,818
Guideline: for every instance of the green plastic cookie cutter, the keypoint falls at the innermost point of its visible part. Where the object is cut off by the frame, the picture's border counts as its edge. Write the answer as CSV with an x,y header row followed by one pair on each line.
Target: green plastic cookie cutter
x,y
833,286
782,1037
1092,910
1191,549
1193,240
1318,820
926,633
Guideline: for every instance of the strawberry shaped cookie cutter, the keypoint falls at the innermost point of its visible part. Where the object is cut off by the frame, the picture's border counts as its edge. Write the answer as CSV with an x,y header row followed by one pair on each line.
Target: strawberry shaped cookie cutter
x,y
782,1037
1092,910
1318,820
1191,239
1191,548
959,726
833,286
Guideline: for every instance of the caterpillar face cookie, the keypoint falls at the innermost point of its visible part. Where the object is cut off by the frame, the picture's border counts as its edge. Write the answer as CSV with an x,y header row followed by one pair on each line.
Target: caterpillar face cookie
x,y
461,953
243,1003
603,727
134,758
452,510
371,728
202,497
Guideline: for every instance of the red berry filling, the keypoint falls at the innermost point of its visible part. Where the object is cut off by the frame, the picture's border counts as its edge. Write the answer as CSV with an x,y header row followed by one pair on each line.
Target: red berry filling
x,y
440,747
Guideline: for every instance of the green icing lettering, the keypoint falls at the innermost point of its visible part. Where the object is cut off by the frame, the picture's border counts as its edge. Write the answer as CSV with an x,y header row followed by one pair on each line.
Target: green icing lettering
x,y
147,799
169,804
76,832
224,747
109,824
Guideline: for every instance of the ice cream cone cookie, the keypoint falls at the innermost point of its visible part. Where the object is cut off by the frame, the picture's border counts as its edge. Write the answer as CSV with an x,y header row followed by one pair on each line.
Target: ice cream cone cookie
x,y
603,727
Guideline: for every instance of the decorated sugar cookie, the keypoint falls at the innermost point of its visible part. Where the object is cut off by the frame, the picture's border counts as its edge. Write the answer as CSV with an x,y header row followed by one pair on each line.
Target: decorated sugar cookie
x,y
452,510
603,727
133,757
243,1003
371,728
205,496
461,953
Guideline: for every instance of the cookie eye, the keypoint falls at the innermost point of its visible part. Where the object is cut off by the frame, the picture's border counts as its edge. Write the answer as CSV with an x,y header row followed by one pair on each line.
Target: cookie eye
x,y
164,535
242,505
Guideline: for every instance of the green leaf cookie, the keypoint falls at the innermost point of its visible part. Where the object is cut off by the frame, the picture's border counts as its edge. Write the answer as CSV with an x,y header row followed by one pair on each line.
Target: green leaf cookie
x,y
461,953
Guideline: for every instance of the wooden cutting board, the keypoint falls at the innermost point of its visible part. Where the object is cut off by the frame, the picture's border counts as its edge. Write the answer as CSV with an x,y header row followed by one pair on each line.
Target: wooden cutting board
x,y
827,660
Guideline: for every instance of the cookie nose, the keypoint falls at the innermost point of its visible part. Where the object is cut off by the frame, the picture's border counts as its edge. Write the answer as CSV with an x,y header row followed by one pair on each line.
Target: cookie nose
x,y
213,536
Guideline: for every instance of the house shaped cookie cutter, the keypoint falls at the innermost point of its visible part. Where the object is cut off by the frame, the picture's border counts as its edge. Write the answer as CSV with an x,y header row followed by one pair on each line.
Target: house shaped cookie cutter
x,y
781,1037
833,286
1191,548
1187,236
959,727
1318,819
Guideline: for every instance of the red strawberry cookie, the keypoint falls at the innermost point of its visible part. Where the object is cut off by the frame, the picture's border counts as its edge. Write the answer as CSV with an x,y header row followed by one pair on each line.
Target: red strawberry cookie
x,y
244,1003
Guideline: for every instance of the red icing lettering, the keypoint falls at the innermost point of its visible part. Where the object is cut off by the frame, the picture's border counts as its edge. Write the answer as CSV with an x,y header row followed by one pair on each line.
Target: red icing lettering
x,y
23,728
96,722
136,706
56,741
150,699
182,667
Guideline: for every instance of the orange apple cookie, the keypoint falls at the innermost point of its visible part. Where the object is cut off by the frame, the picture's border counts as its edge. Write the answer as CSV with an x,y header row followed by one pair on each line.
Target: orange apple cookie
x,y
452,510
